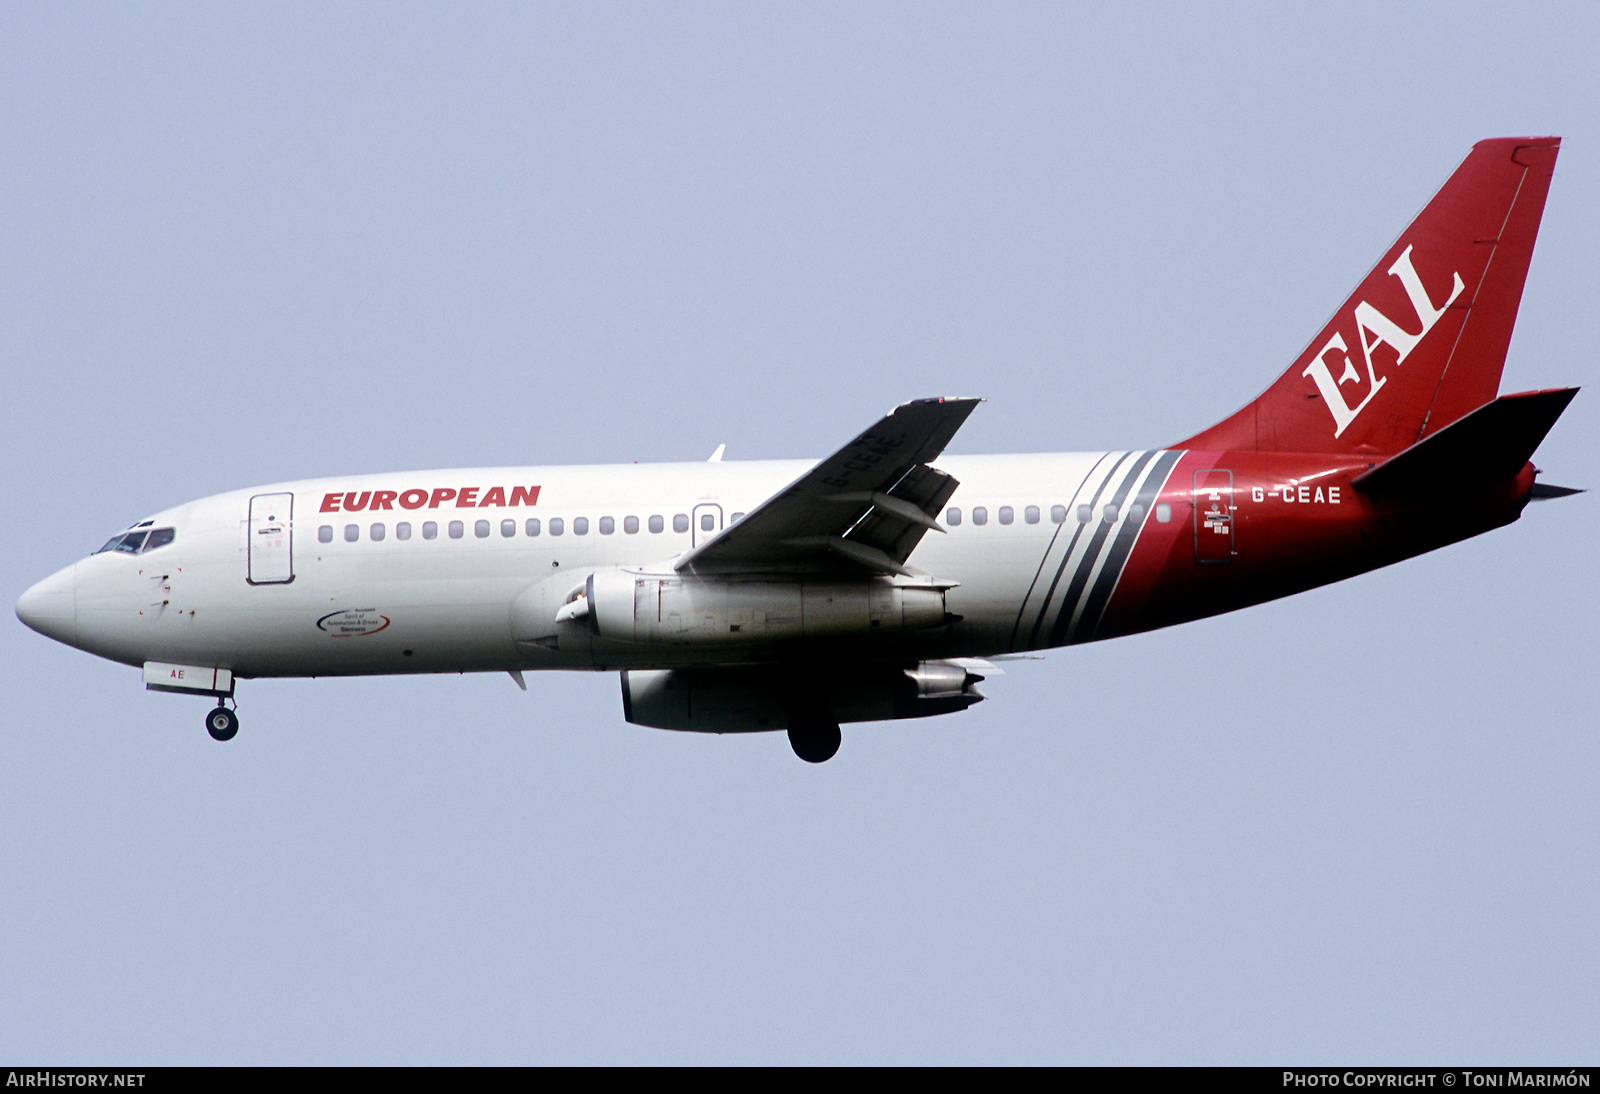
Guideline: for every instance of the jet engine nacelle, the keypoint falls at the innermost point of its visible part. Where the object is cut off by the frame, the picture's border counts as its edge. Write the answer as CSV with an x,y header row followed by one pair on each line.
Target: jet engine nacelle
x,y
750,700
678,610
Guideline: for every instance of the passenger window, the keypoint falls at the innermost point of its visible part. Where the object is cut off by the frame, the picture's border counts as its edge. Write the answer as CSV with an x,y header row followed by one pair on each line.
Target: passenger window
x,y
160,538
532,527
1006,515
1031,514
1109,513
556,526
457,529
481,529
377,532
736,518
430,530
630,525
1058,514
352,532
508,528
657,524
1163,512
707,522
325,534
402,530
1135,513
952,516
980,515
1085,514
680,522
580,526
607,526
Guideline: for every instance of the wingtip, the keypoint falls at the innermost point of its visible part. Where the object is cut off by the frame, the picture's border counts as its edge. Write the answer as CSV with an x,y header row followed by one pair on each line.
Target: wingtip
x,y
968,400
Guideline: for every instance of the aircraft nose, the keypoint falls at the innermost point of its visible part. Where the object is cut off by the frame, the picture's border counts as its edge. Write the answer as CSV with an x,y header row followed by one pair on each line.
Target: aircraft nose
x,y
51,607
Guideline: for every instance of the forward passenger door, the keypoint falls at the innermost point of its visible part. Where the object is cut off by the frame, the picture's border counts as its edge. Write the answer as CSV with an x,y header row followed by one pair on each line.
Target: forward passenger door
x,y
270,553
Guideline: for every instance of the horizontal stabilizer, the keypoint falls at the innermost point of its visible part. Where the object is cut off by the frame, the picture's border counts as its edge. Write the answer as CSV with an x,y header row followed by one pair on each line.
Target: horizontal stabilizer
x,y
1545,491
1490,445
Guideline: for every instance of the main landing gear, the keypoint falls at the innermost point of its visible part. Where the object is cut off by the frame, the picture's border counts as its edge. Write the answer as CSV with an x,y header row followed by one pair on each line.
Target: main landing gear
x,y
223,723
814,737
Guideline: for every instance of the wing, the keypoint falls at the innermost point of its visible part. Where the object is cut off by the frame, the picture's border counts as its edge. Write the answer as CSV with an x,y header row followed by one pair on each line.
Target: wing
x,y
868,504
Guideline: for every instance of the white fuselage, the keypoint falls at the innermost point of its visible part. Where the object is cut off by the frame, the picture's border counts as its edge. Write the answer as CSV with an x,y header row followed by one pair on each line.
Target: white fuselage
x,y
361,604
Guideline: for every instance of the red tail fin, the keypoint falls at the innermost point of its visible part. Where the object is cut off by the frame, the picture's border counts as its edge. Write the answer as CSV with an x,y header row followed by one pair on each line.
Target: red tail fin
x,y
1422,340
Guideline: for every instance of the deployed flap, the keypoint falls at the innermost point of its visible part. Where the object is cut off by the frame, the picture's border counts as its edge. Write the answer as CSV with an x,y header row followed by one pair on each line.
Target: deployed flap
x,y
1488,446
871,502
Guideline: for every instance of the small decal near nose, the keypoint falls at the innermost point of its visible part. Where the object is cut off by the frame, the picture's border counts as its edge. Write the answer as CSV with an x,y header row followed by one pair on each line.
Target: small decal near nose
x,y
353,622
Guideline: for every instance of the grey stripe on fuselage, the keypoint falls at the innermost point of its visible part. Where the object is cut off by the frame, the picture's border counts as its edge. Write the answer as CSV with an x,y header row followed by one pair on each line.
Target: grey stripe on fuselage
x,y
1086,619
1044,561
1071,601
1079,538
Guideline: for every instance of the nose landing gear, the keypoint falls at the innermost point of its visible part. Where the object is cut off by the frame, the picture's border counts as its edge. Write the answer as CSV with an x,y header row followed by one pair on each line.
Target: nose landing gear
x,y
222,723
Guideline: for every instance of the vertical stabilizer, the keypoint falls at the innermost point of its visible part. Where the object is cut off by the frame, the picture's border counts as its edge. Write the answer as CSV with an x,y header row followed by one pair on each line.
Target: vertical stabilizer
x,y
1422,340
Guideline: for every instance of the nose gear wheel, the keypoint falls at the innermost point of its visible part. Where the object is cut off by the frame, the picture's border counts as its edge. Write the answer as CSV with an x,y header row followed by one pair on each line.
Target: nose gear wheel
x,y
222,724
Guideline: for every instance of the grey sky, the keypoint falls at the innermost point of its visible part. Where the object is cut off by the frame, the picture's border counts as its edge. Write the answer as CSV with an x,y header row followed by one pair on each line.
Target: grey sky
x,y
246,244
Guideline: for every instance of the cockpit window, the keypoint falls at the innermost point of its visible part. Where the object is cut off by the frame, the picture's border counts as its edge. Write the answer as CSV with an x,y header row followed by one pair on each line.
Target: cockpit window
x,y
134,543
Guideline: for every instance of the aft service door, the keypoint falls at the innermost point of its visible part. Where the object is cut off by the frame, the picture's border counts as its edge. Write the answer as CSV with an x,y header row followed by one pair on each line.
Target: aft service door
x,y
705,522
1213,517
271,549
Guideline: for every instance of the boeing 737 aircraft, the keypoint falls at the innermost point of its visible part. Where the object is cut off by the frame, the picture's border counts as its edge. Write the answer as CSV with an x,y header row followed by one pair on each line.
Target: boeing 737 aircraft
x,y
773,595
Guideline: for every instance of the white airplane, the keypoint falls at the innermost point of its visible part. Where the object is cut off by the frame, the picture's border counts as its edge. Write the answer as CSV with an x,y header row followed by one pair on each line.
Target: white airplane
x,y
872,585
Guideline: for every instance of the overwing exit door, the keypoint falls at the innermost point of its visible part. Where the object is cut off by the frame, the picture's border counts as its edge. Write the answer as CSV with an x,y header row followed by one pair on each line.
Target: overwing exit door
x,y
271,545
705,522
1213,517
